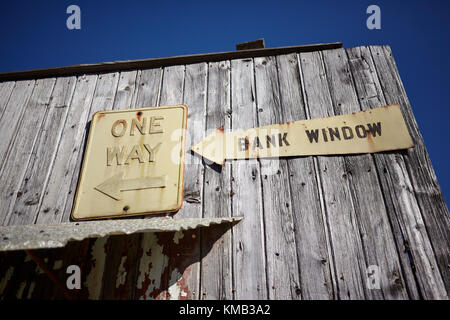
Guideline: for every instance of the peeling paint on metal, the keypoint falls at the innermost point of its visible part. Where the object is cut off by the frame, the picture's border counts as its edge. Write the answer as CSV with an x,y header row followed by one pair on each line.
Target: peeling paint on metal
x,y
94,279
122,273
151,267
175,288
5,279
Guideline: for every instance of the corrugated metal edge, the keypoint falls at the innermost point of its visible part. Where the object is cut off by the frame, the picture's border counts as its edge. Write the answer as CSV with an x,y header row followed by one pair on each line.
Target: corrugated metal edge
x,y
58,235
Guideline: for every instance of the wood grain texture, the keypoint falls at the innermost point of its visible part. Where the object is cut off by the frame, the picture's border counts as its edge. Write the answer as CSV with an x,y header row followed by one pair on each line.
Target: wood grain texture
x,y
126,93
281,253
310,228
172,86
373,222
149,88
21,151
249,265
6,89
59,182
428,231
390,166
11,115
216,267
348,255
104,95
35,180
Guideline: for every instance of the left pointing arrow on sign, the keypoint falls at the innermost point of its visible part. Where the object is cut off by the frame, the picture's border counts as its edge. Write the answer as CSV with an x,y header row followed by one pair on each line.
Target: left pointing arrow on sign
x,y
369,131
113,186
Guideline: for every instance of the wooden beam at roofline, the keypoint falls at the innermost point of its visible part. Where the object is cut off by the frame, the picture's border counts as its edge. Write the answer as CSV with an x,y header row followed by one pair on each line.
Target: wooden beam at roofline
x,y
160,62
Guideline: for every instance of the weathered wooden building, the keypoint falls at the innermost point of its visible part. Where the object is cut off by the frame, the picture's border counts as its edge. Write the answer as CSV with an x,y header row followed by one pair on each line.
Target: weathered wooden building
x,y
311,230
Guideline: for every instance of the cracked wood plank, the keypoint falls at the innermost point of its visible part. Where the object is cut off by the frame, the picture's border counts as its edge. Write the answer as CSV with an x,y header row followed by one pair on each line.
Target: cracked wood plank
x,y
6,88
126,92
59,182
281,254
427,233
216,268
372,218
391,171
348,256
149,88
20,153
11,116
44,152
309,223
103,99
249,265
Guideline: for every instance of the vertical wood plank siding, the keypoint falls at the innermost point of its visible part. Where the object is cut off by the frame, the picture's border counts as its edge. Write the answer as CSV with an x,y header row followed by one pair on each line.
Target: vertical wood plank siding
x,y
216,270
66,158
434,223
281,254
248,255
309,224
20,152
312,225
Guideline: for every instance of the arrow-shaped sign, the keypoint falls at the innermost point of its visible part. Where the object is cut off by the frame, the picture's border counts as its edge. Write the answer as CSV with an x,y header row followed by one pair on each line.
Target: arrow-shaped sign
x,y
374,130
113,186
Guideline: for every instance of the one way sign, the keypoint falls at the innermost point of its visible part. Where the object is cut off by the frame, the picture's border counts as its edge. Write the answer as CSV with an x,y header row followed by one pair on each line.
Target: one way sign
x,y
133,163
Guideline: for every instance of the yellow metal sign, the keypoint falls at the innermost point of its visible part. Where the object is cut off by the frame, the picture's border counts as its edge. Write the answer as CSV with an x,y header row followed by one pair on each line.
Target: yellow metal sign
x,y
133,163
375,130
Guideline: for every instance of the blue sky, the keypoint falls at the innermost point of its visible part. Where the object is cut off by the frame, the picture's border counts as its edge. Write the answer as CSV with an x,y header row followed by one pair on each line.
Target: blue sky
x,y
34,35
